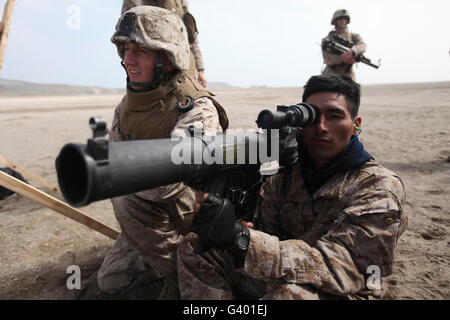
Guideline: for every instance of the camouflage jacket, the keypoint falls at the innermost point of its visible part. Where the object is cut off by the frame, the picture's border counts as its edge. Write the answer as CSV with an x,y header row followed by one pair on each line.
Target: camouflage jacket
x,y
334,239
180,7
154,221
333,62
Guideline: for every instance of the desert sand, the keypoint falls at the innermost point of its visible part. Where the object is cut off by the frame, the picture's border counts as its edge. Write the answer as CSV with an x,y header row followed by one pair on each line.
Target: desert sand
x,y
405,126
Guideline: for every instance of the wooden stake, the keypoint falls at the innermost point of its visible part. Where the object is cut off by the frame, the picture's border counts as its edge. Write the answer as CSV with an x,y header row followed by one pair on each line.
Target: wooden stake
x,y
6,23
48,201
28,174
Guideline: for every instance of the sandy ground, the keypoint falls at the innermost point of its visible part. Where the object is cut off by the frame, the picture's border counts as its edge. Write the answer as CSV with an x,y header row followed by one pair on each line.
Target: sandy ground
x,y
406,128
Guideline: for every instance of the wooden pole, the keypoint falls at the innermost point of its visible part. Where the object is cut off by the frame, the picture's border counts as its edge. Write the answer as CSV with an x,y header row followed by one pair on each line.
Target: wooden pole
x,y
48,201
4,28
28,174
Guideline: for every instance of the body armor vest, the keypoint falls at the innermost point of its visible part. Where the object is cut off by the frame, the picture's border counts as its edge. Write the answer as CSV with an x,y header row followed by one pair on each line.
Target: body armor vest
x,y
154,114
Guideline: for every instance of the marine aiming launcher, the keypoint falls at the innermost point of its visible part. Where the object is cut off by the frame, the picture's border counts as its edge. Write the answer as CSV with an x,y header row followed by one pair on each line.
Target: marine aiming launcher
x,y
339,45
229,165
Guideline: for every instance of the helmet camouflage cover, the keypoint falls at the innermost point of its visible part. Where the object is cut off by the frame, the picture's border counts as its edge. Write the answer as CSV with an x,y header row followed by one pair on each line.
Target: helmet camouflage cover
x,y
156,29
340,13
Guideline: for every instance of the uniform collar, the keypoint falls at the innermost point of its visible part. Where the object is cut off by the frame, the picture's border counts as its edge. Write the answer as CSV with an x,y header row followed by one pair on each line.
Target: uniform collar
x,y
140,101
352,156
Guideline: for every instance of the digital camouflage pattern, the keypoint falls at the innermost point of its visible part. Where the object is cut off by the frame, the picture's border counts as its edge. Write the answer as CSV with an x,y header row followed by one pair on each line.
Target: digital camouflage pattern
x,y
317,247
333,63
181,8
154,221
156,29
341,13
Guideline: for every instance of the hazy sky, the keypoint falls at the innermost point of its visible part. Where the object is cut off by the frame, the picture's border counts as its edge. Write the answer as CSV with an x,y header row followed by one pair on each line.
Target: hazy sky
x,y
244,42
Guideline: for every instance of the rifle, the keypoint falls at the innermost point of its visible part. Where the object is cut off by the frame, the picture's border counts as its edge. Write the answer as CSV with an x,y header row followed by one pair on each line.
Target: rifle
x,y
232,166
341,45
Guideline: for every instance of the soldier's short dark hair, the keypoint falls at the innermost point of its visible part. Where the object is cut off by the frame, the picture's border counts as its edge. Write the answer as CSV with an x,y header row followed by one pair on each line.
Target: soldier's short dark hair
x,y
335,83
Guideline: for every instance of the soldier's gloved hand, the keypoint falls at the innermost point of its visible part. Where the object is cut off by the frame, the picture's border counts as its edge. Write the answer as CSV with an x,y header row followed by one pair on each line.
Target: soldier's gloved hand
x,y
216,224
289,145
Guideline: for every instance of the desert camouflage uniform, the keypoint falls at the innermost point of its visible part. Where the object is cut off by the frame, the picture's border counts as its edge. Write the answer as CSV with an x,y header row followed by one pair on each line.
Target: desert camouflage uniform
x,y
180,7
317,247
333,62
154,221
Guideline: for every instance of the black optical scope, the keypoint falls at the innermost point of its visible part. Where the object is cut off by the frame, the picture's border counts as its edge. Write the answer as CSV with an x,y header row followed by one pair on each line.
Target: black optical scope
x,y
299,115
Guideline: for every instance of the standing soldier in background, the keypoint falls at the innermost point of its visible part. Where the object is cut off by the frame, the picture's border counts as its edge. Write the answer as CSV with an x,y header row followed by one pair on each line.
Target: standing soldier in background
x,y
343,64
180,7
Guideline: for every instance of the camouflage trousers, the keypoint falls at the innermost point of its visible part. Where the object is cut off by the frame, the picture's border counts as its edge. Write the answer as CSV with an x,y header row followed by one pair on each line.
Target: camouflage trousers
x,y
122,268
211,276
124,273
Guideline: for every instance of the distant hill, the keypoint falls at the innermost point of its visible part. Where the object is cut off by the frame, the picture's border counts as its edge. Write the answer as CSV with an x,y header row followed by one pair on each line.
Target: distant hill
x,y
11,88
22,88
219,86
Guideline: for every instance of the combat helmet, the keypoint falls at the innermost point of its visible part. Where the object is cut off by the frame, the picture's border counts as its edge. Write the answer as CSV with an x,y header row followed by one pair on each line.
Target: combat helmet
x,y
340,13
156,29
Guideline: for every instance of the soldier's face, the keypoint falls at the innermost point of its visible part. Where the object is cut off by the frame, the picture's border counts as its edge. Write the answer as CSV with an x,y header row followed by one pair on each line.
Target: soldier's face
x,y
341,23
139,62
325,139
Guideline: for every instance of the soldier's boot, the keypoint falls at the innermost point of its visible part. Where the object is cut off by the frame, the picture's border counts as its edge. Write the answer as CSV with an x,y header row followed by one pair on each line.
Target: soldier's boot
x,y
123,275
122,268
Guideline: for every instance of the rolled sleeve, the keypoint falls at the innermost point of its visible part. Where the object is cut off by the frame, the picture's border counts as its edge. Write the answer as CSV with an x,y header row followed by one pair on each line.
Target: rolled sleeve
x,y
360,46
199,63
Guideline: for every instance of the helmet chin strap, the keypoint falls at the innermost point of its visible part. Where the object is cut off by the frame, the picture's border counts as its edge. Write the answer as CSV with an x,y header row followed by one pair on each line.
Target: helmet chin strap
x,y
158,77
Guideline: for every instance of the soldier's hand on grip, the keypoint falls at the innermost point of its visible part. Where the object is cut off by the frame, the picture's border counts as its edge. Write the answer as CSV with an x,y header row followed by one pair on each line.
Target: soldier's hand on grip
x,y
215,224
